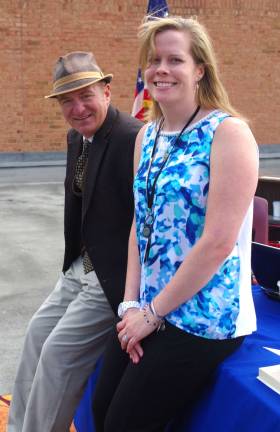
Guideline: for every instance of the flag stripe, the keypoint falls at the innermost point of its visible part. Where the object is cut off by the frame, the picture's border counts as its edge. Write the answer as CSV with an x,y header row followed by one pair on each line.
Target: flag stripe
x,y
142,99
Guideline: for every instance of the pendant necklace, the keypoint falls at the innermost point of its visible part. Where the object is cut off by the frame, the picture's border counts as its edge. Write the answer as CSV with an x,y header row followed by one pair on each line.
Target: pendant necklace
x,y
150,192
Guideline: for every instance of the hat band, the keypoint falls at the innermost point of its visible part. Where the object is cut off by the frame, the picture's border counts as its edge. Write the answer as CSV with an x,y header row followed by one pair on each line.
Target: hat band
x,y
75,77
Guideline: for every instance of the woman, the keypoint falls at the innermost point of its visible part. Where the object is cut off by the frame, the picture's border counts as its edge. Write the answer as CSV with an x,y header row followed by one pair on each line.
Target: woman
x,y
188,269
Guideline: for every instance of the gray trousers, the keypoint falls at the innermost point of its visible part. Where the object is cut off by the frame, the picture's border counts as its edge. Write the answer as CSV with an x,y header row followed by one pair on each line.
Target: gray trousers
x,y
64,339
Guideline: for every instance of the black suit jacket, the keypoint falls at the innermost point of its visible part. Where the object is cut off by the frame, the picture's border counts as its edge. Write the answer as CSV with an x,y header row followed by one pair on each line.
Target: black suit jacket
x,y
101,221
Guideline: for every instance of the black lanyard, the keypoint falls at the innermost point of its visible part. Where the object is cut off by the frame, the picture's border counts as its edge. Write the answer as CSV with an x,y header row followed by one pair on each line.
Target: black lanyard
x,y
147,229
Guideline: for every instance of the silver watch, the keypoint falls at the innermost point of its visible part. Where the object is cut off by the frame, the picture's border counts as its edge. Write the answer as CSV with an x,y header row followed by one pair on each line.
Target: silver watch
x,y
125,305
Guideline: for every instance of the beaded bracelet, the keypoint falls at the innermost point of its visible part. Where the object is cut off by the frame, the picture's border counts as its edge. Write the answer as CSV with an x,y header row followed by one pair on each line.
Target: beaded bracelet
x,y
151,319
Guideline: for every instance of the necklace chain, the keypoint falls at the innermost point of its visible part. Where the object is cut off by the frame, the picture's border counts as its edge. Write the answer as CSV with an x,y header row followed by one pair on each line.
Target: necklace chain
x,y
150,196
147,229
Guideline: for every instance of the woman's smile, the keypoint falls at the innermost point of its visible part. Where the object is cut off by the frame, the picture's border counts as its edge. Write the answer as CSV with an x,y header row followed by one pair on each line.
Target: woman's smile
x,y
172,74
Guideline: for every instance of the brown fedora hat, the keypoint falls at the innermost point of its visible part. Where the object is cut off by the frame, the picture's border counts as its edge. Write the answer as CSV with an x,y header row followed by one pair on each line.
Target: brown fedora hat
x,y
74,71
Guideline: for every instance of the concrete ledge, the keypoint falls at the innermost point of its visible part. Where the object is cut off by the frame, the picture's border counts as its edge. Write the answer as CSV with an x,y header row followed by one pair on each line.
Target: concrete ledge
x,y
32,164
269,151
26,159
29,159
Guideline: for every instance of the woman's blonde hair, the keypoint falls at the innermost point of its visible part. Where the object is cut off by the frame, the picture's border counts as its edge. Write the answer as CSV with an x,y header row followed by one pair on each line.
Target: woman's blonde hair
x,y
211,93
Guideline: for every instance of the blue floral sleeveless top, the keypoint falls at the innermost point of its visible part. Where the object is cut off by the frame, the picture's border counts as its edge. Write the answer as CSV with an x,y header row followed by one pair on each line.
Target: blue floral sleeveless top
x,y
179,207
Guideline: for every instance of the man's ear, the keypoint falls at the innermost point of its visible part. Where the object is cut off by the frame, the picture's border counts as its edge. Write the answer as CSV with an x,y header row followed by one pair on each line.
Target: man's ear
x,y
107,92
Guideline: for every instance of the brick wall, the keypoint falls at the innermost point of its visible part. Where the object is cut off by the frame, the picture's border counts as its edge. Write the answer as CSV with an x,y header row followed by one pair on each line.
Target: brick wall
x,y
246,35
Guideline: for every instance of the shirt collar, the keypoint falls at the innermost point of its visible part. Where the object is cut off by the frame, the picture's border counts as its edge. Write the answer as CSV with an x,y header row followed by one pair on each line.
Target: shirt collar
x,y
90,139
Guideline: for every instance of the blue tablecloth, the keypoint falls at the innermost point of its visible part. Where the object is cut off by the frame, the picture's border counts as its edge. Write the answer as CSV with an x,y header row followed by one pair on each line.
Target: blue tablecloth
x,y
234,401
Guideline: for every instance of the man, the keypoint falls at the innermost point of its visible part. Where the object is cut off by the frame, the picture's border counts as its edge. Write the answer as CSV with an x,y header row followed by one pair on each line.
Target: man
x,y
67,334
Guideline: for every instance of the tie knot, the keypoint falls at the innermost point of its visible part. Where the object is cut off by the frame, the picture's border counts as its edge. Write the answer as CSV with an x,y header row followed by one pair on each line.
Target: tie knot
x,y
86,145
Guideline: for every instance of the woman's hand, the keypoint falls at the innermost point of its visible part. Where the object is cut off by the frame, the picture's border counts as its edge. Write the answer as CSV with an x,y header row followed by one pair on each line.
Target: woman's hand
x,y
136,352
135,326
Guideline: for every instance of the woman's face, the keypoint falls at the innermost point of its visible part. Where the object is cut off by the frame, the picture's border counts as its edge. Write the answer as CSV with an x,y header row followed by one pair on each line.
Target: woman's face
x,y
171,74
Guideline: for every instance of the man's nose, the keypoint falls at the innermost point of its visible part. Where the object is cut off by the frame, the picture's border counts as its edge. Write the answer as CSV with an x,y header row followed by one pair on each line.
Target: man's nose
x,y
78,106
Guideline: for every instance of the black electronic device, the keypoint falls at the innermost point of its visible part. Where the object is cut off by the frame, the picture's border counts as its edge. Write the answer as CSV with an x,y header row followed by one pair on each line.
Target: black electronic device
x,y
265,263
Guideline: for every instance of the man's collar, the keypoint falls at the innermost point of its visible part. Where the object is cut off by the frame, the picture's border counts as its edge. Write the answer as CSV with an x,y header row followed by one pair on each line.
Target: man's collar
x,y
90,139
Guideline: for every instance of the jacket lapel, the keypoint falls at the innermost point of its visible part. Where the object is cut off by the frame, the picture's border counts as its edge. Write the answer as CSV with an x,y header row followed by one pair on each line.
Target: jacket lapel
x,y
96,153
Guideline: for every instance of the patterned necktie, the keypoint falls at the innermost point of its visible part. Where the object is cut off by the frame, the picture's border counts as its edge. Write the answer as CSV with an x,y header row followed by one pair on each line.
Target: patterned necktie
x,y
87,264
79,182
81,164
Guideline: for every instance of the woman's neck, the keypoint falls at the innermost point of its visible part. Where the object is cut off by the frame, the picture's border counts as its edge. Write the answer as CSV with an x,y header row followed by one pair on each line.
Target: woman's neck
x,y
176,118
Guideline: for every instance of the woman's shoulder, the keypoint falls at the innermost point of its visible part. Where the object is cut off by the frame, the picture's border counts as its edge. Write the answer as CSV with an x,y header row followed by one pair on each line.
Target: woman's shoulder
x,y
210,118
236,132
143,131
231,124
148,130
227,123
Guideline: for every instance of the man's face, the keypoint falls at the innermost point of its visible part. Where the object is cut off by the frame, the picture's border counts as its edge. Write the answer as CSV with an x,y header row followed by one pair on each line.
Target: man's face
x,y
85,109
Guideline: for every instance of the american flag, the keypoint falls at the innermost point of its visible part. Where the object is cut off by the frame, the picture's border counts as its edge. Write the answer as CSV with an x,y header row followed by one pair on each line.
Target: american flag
x,y
142,101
